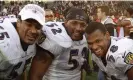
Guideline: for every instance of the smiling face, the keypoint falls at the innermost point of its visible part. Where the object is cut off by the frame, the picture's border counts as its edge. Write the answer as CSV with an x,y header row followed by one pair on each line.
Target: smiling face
x,y
98,42
75,29
28,30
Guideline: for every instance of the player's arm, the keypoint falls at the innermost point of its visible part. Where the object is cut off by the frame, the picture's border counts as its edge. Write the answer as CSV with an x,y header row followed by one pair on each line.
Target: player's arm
x,y
130,74
40,64
123,23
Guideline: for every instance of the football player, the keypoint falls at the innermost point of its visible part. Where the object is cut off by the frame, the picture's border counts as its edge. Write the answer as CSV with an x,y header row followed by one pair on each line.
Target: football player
x,y
17,41
62,54
113,56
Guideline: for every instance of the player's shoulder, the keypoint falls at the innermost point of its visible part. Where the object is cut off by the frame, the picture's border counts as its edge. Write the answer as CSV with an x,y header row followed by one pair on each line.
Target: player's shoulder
x,y
55,27
125,46
52,28
6,29
124,42
120,50
121,44
4,21
56,32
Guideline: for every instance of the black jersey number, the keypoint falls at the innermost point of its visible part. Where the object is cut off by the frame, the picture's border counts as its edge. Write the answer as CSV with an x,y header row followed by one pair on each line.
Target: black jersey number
x,y
73,54
73,61
3,34
54,31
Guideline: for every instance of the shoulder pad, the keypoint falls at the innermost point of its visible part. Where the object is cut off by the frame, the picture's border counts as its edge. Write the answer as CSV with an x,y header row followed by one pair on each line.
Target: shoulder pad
x,y
57,33
125,59
4,36
124,49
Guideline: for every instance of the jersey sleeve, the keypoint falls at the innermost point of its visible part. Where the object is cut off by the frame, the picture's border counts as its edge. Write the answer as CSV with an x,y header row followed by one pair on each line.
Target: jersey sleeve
x,y
4,38
5,26
124,60
51,46
4,35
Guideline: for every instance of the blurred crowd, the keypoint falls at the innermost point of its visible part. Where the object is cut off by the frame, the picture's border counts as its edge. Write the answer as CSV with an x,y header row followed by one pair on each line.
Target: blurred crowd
x,y
59,7
56,10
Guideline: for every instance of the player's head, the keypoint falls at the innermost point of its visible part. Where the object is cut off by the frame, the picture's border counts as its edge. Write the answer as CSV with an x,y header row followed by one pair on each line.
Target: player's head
x,y
29,23
110,28
102,11
49,15
76,22
98,38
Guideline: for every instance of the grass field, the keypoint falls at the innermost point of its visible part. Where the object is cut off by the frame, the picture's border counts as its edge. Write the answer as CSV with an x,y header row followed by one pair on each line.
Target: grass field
x,y
92,76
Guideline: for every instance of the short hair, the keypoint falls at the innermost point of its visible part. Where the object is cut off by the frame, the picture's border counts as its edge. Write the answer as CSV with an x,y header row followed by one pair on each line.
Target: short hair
x,y
110,28
76,14
93,26
104,9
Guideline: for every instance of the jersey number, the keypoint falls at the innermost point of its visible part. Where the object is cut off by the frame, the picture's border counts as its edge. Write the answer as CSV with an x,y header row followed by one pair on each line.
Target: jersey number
x,y
72,60
55,31
3,34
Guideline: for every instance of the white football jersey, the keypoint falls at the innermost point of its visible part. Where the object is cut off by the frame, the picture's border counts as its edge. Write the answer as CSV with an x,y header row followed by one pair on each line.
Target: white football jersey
x,y
119,59
57,33
13,59
67,60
